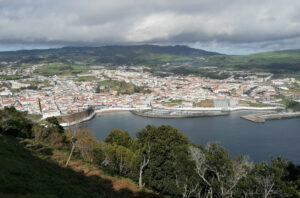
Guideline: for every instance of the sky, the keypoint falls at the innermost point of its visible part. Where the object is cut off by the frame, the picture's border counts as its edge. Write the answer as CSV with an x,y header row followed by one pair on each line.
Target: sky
x,y
226,26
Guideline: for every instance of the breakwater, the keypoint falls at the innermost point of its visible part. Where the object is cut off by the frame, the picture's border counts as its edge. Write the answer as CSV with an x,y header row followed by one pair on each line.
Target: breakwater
x,y
165,113
75,118
263,117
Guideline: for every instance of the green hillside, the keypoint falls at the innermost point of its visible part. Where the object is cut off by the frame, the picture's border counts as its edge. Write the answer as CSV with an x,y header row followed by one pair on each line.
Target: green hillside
x,y
142,54
69,58
275,62
25,175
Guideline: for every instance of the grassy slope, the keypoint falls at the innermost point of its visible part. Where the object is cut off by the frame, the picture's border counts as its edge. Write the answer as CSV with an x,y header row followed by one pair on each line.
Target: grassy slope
x,y
23,174
276,62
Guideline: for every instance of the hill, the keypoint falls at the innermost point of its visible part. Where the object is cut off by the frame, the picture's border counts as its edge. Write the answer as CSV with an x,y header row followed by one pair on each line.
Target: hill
x,y
287,61
155,56
142,54
29,173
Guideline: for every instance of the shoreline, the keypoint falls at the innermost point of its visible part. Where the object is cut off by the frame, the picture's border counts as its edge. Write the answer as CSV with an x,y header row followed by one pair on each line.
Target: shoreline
x,y
206,112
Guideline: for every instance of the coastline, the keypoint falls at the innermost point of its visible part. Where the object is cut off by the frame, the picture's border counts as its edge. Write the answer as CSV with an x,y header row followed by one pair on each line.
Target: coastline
x,y
66,124
195,112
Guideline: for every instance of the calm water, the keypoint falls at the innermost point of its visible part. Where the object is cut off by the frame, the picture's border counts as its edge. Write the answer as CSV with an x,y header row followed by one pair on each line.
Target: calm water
x,y
257,140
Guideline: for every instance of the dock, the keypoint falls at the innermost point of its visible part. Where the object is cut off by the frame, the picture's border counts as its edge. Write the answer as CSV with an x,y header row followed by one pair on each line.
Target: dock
x,y
261,118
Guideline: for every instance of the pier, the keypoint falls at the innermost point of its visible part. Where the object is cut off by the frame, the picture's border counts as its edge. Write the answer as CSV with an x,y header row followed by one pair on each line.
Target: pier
x,y
261,118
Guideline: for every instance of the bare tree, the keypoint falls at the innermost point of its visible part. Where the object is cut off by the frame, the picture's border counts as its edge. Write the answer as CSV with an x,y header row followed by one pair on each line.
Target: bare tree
x,y
241,168
228,173
80,142
188,189
267,183
72,150
73,130
143,164
201,168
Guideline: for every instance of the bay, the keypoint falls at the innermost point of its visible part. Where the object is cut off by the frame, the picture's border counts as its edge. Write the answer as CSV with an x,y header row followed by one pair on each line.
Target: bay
x,y
257,140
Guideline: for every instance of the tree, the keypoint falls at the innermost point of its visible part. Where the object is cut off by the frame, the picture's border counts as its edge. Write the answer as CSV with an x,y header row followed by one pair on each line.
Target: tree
x,y
54,124
217,170
119,158
266,180
187,180
201,167
81,142
164,141
15,123
119,137
144,162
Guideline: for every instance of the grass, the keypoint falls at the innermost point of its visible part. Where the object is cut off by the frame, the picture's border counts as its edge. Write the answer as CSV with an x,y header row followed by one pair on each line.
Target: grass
x,y
86,78
10,77
60,69
260,105
173,102
25,175
34,116
30,174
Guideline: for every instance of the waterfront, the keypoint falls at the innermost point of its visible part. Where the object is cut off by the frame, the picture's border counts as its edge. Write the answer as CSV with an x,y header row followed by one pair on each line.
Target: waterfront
x,y
259,141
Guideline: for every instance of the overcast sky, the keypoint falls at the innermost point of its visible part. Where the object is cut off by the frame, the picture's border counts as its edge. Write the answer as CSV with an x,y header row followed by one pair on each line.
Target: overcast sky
x,y
227,26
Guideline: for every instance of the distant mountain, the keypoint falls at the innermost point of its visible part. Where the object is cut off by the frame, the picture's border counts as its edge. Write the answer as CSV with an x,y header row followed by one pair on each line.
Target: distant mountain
x,y
140,54
287,61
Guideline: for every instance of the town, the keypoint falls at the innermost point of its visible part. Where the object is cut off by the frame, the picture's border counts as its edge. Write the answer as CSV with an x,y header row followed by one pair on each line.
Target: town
x,y
101,87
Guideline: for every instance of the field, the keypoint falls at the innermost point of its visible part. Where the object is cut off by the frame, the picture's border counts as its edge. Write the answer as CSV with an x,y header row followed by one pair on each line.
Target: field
x,y
60,69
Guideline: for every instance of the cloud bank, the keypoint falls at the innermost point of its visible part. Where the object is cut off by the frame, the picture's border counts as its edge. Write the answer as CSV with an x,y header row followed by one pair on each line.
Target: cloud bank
x,y
232,26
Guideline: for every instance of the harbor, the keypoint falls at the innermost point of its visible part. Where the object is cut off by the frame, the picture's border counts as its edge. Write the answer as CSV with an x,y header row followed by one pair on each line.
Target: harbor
x,y
263,117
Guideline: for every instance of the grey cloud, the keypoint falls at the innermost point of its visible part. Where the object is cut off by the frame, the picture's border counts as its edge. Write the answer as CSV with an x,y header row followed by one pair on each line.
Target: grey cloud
x,y
212,24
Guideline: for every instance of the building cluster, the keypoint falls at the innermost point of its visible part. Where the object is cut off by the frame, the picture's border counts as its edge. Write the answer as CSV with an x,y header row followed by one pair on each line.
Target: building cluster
x,y
57,95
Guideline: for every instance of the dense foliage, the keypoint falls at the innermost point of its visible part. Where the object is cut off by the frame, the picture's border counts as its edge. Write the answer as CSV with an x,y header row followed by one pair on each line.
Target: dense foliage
x,y
121,87
162,159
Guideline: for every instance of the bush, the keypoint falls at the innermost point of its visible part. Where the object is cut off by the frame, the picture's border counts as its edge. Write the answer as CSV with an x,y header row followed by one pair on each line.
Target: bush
x,y
15,123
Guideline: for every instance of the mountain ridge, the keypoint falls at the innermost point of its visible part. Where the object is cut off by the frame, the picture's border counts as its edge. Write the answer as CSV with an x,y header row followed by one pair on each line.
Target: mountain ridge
x,y
286,61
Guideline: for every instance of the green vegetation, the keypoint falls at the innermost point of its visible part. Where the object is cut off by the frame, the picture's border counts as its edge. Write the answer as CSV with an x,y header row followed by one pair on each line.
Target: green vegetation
x,y
293,105
37,83
199,71
65,61
31,164
11,77
34,116
121,87
259,105
86,78
60,69
173,102
278,62
25,175
160,158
